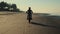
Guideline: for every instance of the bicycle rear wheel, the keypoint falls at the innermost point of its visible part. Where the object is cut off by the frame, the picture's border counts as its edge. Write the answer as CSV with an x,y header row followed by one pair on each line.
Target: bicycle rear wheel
x,y
29,20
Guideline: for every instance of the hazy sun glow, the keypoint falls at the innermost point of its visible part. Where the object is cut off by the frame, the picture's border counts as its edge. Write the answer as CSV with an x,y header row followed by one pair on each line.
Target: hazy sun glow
x,y
38,6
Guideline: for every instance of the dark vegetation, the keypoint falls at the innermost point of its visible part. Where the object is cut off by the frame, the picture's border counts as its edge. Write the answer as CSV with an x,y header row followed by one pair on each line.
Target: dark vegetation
x,y
4,6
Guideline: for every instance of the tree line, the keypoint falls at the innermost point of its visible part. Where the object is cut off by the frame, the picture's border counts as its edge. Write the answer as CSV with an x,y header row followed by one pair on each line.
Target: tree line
x,y
4,6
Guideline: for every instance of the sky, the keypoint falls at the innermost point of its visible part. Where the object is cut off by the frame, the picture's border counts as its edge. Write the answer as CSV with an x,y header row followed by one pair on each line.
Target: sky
x,y
38,6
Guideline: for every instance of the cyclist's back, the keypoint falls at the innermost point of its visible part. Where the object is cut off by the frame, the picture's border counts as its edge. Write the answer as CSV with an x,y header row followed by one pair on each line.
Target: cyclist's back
x,y
29,13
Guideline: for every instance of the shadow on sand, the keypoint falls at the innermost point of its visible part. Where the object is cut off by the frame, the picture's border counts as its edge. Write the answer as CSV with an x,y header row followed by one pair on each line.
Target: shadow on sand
x,y
57,27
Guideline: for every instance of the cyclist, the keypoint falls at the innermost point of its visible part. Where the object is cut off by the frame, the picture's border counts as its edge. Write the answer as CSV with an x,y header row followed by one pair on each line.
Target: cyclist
x,y
29,14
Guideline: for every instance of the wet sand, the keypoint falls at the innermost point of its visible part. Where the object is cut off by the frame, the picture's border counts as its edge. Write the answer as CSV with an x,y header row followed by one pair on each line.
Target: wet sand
x,y
17,24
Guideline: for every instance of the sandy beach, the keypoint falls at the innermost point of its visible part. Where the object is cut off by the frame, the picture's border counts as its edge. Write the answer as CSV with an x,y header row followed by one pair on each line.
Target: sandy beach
x,y
17,23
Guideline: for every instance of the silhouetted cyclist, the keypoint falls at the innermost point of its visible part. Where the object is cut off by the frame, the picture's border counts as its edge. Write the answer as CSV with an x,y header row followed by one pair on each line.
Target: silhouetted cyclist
x,y
29,14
